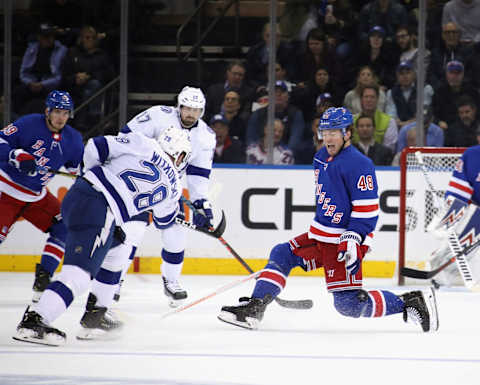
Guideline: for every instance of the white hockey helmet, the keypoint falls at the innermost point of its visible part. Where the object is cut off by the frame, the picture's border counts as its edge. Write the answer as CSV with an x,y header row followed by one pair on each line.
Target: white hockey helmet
x,y
192,97
176,142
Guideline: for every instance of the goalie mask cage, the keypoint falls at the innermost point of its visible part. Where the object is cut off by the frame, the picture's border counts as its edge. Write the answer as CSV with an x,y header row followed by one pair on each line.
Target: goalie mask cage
x,y
417,203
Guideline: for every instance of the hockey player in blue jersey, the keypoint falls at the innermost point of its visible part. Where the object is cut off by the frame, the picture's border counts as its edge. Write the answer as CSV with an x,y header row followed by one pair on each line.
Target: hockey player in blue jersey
x,y
125,175
339,235
28,148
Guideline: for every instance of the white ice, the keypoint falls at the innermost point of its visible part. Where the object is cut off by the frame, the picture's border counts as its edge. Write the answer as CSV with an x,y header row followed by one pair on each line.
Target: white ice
x,y
294,347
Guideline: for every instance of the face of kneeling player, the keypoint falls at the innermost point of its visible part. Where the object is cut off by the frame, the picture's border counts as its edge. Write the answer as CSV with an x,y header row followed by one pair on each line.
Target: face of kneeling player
x,y
189,115
334,140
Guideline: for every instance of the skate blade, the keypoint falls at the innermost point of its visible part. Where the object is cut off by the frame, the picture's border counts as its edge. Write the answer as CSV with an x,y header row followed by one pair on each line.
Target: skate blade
x,y
229,318
85,334
431,302
49,339
174,303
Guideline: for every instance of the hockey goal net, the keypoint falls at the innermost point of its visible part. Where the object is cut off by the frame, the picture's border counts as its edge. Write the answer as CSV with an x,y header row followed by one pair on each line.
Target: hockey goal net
x,y
417,202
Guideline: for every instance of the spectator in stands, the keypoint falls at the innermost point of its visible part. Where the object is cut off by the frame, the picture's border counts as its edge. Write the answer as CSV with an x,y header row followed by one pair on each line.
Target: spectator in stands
x,y
380,155
87,69
472,68
466,14
281,74
317,143
386,13
235,81
291,116
228,149
40,71
230,110
316,56
305,97
365,77
433,134
378,55
282,155
463,132
406,40
261,98
411,142
257,56
324,101
454,86
450,49
402,98
386,130
66,16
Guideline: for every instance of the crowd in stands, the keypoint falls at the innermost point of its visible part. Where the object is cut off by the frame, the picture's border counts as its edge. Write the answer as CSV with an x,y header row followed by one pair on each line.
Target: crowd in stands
x,y
362,55
359,54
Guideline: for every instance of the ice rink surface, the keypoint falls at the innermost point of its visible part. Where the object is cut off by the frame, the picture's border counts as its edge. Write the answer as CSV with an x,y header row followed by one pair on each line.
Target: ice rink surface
x,y
294,347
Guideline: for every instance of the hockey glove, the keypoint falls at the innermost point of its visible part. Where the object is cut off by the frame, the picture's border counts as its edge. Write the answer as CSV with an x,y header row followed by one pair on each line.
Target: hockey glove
x,y
202,217
349,251
23,161
307,249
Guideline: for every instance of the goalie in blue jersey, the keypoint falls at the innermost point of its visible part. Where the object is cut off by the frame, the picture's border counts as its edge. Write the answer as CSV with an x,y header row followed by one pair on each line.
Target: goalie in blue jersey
x,y
337,240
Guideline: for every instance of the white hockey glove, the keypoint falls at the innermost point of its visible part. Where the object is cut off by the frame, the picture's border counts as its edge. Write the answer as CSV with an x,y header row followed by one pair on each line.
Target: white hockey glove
x,y
23,161
203,216
350,252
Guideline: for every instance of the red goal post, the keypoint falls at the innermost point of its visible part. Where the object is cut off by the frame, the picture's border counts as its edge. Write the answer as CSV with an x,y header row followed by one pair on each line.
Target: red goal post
x,y
416,206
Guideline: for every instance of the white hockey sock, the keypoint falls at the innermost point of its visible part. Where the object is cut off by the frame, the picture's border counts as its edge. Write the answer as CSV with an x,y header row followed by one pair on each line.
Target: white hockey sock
x,y
171,271
104,293
50,306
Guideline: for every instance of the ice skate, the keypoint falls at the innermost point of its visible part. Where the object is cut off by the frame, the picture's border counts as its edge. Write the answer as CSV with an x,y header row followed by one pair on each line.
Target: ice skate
x,y
247,314
421,308
97,322
33,329
175,293
42,280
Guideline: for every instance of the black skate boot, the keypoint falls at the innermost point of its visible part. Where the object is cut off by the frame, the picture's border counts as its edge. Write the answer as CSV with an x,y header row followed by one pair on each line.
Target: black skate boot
x,y
33,329
174,292
97,322
421,308
247,314
42,280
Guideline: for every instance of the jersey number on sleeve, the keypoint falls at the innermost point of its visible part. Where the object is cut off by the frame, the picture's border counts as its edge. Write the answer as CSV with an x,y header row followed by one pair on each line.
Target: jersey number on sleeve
x,y
365,182
145,200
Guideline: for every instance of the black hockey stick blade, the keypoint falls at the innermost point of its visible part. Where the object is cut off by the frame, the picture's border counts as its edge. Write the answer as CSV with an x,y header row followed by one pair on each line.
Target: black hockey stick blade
x,y
215,233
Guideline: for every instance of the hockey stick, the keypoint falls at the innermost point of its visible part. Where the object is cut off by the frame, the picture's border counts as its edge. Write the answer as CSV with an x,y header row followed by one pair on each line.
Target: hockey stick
x,y
290,304
424,274
216,233
220,290
453,241
56,172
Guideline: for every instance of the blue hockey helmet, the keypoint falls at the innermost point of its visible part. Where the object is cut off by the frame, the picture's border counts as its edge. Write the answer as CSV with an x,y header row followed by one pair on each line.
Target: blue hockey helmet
x,y
335,118
60,100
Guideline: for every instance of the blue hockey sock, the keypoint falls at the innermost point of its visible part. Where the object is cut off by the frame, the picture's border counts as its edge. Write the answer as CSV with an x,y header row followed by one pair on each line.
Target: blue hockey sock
x,y
52,255
361,303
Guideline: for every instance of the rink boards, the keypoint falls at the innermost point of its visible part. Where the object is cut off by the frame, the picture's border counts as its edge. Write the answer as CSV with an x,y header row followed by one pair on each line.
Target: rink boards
x,y
263,206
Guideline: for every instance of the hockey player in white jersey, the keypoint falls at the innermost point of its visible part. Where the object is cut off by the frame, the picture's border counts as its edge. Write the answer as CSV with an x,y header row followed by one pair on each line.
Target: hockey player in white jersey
x,y
151,123
125,176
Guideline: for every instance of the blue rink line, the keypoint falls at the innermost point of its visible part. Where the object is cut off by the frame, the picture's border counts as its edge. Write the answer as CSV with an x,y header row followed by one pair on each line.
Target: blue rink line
x,y
76,380
255,356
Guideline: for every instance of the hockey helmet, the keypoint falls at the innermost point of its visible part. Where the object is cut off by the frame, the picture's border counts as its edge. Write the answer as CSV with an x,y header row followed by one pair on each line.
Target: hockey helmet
x,y
192,97
176,142
335,118
60,100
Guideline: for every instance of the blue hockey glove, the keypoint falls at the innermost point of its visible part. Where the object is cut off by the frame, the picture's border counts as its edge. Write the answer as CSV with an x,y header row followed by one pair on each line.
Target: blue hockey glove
x,y
23,161
203,216
349,251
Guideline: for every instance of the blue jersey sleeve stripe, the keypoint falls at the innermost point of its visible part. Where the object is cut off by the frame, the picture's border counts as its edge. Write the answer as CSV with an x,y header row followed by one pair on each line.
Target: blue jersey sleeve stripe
x,y
193,170
164,221
111,190
102,148
125,129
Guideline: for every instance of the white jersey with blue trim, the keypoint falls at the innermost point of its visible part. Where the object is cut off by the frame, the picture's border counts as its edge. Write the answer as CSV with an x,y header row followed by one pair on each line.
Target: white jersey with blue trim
x,y
134,174
346,195
465,180
153,121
